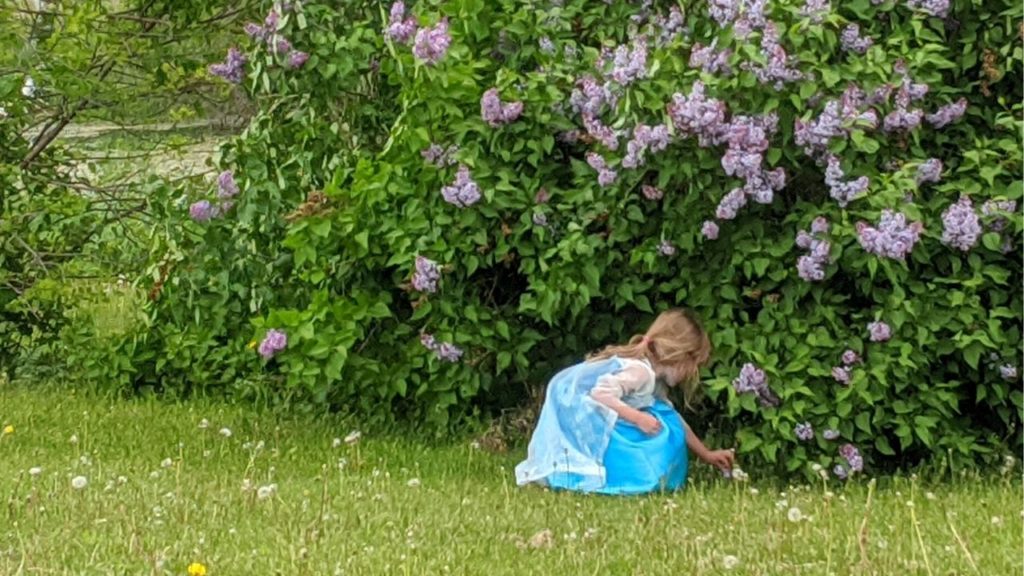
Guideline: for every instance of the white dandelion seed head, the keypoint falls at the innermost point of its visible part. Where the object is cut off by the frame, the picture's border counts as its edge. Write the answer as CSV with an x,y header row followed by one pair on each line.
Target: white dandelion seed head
x,y
754,491
35,471
166,463
794,514
336,443
204,424
79,482
267,491
225,432
729,562
413,483
73,439
353,437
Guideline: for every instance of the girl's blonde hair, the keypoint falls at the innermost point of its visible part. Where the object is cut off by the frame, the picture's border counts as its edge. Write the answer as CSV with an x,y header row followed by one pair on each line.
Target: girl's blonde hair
x,y
675,338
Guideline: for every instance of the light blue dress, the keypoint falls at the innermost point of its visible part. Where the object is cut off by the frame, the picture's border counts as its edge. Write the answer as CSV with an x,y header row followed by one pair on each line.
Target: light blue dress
x,y
580,444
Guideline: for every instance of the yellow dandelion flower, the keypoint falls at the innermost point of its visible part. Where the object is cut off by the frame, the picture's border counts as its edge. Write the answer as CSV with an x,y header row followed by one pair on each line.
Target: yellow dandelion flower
x,y
196,569
9,429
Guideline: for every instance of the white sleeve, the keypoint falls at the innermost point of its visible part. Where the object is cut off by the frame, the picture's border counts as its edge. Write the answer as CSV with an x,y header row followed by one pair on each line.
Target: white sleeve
x,y
610,388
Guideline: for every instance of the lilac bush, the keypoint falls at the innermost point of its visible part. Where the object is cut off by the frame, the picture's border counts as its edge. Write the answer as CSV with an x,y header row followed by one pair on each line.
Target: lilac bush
x,y
879,331
273,342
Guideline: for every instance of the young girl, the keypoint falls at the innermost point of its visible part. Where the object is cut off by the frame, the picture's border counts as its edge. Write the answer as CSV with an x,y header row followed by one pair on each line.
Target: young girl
x,y
606,425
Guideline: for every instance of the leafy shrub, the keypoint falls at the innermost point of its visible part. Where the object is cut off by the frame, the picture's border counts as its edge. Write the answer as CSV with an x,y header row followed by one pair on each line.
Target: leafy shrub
x,y
439,206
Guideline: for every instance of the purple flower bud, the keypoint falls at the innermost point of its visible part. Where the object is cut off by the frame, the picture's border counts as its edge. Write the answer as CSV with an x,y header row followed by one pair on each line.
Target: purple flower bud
x,y
880,331
666,248
282,46
961,227
839,472
709,230
630,64
697,115
936,8
850,358
255,31
753,380
709,59
830,434
542,196
495,113
843,191
432,43
429,342
804,431
273,342
546,45
605,175
272,22
540,219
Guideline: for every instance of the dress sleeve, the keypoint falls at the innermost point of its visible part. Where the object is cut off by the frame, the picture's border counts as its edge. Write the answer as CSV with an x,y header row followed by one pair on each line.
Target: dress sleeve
x,y
636,377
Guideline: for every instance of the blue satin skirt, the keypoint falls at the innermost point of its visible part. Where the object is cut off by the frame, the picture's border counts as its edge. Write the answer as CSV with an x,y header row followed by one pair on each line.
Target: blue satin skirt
x,y
636,463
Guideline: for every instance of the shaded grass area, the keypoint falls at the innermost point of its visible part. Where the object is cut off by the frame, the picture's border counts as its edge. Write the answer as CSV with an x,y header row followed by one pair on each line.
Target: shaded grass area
x,y
166,485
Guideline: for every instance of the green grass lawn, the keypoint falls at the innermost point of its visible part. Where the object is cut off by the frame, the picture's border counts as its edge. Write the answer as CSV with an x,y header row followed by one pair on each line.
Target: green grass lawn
x,y
164,489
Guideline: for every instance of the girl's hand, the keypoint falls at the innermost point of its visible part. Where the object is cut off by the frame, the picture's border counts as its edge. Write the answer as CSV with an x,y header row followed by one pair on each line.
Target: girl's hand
x,y
721,459
648,423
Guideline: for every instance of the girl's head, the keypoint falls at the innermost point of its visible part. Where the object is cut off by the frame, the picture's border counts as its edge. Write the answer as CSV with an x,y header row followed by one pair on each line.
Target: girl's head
x,y
675,344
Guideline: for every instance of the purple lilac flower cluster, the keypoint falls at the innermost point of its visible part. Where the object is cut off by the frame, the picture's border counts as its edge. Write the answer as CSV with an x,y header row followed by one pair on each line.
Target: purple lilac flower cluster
x,y
666,248
588,99
431,43
497,113
852,41
426,276
227,189
853,458
444,350
464,191
710,230
947,114
697,115
546,45
273,342
1008,372
961,227
653,138
830,434
710,59
401,28
779,67
747,138
879,331
893,238
629,63
936,8
278,45
651,193
994,209
232,69
836,119
842,373
843,191
804,431
904,118
605,175
816,10
669,27
929,171
811,266
439,156
753,380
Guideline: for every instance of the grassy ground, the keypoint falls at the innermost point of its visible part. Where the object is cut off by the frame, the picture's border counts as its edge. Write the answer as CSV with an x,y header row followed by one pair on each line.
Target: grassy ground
x,y
164,490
